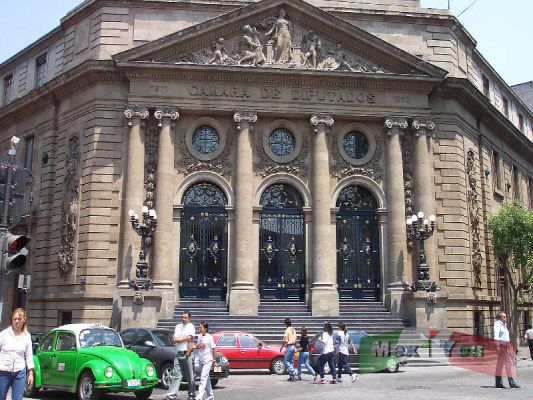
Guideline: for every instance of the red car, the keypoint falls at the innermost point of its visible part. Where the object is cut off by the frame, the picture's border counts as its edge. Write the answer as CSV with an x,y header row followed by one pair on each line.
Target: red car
x,y
245,351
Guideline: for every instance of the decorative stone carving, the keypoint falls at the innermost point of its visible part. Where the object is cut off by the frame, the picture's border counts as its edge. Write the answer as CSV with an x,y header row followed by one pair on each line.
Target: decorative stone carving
x,y
166,112
251,50
70,206
265,166
419,124
310,50
136,111
393,122
341,169
246,116
408,179
281,35
150,164
474,212
220,54
337,59
321,119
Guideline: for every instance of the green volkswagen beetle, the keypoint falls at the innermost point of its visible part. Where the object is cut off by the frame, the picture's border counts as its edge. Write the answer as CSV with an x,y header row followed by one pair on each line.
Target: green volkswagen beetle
x,y
90,359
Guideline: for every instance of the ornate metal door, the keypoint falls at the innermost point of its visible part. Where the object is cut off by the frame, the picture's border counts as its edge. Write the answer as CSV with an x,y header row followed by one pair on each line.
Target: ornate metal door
x,y
358,265
281,245
204,243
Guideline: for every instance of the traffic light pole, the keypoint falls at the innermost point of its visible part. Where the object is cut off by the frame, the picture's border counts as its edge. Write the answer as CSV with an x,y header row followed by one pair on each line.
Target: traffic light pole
x,y
3,255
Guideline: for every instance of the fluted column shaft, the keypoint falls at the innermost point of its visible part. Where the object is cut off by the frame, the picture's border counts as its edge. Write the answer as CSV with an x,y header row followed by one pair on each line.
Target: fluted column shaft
x,y
324,296
163,238
243,295
396,201
133,192
423,177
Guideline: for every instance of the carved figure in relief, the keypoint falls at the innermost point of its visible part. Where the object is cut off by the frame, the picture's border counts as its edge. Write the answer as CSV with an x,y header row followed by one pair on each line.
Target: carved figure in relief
x,y
281,33
337,60
220,54
251,48
310,49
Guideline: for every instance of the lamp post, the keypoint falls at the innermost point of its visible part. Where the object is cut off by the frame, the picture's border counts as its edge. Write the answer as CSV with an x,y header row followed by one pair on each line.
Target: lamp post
x,y
421,229
146,230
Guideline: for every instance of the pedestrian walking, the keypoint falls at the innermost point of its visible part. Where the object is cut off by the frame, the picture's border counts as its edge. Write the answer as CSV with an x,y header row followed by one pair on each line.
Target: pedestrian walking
x,y
16,357
206,355
183,363
303,358
529,338
328,354
289,342
506,354
345,343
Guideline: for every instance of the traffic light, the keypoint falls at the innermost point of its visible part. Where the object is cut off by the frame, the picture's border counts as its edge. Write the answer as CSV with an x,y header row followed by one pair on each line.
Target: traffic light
x,y
15,253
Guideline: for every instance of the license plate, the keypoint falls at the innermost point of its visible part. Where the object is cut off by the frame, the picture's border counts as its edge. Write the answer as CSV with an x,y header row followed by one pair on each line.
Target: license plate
x,y
131,383
218,368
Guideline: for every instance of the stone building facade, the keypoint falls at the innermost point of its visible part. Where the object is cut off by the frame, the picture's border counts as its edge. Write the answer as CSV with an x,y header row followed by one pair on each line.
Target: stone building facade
x,y
282,145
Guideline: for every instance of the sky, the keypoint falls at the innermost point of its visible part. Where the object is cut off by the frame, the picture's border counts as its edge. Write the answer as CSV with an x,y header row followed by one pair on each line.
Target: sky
x,y
503,29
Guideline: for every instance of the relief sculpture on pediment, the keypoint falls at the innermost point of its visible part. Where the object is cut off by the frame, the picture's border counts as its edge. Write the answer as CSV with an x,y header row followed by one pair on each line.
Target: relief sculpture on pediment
x,y
277,42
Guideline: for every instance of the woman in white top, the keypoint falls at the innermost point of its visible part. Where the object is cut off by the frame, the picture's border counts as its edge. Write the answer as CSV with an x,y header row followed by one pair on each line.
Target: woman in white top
x,y
16,357
206,351
328,354
345,343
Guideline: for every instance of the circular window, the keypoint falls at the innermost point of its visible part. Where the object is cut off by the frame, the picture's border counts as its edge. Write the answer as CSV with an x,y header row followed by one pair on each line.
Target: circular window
x,y
205,140
356,145
281,142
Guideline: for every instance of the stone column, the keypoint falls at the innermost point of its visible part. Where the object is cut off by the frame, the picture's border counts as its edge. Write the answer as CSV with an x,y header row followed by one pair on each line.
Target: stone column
x,y
244,298
424,191
164,238
397,238
133,191
324,294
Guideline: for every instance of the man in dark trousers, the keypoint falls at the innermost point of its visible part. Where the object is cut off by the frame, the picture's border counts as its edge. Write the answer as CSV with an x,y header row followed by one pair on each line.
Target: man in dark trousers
x,y
506,353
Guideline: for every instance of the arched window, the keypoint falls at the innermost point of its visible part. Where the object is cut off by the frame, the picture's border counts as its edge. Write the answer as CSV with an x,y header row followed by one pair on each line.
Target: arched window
x,y
356,198
204,195
281,196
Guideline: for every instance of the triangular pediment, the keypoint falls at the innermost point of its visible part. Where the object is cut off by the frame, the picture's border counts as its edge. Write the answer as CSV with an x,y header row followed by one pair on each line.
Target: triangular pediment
x,y
281,34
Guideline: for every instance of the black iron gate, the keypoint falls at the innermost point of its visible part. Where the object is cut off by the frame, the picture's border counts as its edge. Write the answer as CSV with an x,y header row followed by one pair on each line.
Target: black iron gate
x,y
281,245
358,260
204,243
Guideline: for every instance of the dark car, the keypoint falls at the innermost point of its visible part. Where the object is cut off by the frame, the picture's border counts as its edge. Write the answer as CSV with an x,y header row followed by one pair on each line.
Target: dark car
x,y
387,364
35,339
157,345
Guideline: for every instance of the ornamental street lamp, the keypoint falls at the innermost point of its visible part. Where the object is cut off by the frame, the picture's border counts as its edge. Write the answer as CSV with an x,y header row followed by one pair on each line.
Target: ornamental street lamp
x,y
421,229
146,230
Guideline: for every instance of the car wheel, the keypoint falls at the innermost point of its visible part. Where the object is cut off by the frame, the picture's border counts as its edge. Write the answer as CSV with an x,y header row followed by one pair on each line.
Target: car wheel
x,y
277,366
143,394
392,366
214,382
86,389
166,376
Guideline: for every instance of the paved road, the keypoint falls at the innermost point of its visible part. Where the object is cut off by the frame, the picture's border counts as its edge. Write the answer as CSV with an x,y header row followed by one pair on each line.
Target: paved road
x,y
414,383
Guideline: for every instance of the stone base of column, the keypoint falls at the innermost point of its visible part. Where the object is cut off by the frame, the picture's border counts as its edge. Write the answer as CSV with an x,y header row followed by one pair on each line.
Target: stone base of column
x,y
243,299
139,308
428,310
396,300
324,301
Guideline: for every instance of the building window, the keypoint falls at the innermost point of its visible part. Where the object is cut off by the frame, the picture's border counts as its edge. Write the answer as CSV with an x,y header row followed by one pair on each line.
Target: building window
x,y
205,140
281,142
355,145
516,183
505,107
486,85
521,122
28,160
8,90
65,317
40,70
496,170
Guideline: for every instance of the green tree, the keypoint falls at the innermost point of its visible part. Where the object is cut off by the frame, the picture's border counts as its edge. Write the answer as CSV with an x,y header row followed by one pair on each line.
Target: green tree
x,y
512,244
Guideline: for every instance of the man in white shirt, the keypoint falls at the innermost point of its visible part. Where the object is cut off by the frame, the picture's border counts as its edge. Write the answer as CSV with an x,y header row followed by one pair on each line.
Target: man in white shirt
x,y
529,338
506,353
183,363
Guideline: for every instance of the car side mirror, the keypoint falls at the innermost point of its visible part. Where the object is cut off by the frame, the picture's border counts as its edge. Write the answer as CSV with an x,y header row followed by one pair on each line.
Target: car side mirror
x,y
259,345
149,343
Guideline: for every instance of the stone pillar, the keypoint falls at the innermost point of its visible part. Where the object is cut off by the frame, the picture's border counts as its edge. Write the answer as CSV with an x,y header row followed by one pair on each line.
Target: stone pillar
x,y
244,297
324,294
133,191
424,191
397,238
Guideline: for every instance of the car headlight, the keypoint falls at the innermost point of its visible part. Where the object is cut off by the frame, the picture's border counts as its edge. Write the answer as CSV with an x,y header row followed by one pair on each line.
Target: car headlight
x,y
108,372
150,370
223,360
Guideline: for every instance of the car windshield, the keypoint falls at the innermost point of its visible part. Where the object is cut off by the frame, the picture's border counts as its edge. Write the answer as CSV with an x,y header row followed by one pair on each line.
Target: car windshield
x,y
164,338
99,337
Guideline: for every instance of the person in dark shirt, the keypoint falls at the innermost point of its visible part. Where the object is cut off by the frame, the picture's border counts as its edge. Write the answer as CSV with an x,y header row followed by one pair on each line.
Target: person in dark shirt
x,y
303,358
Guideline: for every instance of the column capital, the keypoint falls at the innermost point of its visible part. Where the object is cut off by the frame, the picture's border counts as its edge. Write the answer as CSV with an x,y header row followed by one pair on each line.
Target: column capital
x,y
247,116
136,111
166,113
395,122
421,123
321,119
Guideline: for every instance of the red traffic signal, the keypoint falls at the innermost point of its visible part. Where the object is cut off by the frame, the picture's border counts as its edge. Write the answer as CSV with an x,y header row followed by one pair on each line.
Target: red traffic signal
x,y
16,242
17,253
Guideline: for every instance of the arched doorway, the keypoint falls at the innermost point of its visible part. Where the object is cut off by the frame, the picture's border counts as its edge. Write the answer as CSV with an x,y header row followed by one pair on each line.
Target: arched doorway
x,y
281,244
358,265
204,243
